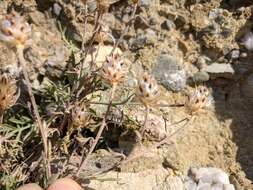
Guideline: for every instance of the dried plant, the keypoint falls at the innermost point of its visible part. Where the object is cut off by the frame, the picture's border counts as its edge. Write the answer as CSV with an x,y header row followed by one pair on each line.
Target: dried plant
x,y
198,99
103,5
102,8
114,69
80,114
148,92
14,30
9,93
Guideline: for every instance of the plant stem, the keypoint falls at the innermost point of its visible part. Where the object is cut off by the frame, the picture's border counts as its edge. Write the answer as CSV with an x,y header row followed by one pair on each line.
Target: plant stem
x,y
96,29
100,131
125,101
20,51
165,140
143,128
1,116
128,101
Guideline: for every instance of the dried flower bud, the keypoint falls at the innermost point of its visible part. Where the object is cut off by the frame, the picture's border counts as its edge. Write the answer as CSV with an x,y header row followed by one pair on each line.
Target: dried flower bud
x,y
198,99
8,92
84,1
80,115
103,5
114,69
14,30
134,1
148,89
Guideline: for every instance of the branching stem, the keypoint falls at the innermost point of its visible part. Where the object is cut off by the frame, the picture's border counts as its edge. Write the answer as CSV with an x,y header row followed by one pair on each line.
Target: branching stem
x,y
96,29
125,101
100,131
143,128
188,121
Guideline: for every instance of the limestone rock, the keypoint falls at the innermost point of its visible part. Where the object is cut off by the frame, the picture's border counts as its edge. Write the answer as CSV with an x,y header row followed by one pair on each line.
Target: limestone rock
x,y
216,70
208,179
170,73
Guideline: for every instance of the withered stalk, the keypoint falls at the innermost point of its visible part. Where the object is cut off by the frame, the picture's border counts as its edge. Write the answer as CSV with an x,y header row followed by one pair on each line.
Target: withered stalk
x,y
100,131
20,54
143,128
166,139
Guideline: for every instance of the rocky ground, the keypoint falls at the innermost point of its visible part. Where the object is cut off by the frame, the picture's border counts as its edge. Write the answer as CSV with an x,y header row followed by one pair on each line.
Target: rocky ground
x,y
183,43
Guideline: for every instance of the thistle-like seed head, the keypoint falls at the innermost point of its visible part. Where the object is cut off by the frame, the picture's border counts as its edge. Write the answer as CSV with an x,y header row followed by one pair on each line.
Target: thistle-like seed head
x,y
80,115
14,30
114,69
8,92
198,99
148,89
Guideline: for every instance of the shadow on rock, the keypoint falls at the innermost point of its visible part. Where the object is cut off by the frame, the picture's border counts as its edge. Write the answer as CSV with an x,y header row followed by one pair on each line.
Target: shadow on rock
x,y
234,100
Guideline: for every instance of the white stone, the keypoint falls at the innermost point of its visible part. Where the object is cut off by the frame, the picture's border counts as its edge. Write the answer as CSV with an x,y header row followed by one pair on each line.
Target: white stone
x,y
217,68
100,53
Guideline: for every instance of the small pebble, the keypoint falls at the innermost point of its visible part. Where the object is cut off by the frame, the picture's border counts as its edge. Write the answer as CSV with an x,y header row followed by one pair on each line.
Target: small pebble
x,y
92,5
145,3
202,62
247,41
143,38
200,77
234,54
169,25
209,178
57,9
243,55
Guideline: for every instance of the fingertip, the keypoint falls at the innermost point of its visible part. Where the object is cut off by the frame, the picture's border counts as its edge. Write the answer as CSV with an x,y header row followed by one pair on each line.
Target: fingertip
x,y
65,184
30,186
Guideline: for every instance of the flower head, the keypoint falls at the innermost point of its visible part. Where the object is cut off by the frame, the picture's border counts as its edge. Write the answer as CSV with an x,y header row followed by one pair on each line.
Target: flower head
x,y
14,30
8,92
80,115
148,89
114,69
198,99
